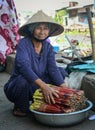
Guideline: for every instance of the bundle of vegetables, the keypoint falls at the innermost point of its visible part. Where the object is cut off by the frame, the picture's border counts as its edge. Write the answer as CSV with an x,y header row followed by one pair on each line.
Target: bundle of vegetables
x,y
69,100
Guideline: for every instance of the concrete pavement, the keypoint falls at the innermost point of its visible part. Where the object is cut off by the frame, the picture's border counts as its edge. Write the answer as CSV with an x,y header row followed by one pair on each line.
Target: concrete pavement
x,y
9,122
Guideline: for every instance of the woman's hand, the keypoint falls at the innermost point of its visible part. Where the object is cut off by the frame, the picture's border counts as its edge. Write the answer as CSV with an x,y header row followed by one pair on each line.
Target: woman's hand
x,y
63,85
49,94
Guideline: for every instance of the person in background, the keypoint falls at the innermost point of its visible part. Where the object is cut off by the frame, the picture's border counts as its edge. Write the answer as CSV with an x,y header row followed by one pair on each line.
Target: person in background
x,y
8,30
35,65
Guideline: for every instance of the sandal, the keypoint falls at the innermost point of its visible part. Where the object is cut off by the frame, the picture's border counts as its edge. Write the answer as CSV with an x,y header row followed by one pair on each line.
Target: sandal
x,y
18,112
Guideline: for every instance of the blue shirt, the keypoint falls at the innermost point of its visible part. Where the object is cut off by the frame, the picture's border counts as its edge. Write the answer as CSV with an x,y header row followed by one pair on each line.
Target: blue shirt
x,y
32,66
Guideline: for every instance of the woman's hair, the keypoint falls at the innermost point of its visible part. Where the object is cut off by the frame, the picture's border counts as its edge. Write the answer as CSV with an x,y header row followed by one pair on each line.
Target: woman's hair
x,y
32,27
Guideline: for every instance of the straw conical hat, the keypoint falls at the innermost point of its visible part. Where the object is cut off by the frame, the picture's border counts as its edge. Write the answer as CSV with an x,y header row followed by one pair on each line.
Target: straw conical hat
x,y
40,16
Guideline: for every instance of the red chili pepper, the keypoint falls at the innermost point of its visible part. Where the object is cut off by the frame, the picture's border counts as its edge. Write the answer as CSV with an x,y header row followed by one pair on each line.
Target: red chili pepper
x,y
49,108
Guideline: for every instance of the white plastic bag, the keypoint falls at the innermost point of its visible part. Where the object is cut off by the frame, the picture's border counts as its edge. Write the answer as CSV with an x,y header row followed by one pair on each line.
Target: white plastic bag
x,y
75,79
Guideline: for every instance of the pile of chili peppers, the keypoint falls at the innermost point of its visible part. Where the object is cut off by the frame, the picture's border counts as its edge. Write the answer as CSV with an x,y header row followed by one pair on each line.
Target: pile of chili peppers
x,y
69,100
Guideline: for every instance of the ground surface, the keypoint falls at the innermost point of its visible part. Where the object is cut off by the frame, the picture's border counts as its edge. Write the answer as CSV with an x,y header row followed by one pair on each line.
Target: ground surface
x,y
9,122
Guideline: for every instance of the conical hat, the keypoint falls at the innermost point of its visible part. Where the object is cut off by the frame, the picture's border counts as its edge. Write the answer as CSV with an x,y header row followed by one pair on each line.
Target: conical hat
x,y
41,17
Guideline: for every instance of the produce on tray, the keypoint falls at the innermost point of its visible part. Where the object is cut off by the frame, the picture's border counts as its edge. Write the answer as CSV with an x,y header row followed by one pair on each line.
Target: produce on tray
x,y
80,52
69,100
85,52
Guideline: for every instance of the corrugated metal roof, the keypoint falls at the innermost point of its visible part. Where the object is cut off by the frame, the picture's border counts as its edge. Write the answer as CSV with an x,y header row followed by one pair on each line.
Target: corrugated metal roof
x,y
84,2
75,7
81,3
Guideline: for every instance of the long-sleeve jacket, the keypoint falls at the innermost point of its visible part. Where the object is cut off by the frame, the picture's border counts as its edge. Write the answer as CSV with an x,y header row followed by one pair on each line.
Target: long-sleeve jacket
x,y
32,66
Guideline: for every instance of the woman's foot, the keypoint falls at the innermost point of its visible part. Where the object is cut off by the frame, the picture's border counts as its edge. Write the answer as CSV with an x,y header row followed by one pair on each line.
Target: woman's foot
x,y
18,112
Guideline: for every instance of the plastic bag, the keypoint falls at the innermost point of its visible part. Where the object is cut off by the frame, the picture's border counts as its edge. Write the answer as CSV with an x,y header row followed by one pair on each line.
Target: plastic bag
x,y
74,80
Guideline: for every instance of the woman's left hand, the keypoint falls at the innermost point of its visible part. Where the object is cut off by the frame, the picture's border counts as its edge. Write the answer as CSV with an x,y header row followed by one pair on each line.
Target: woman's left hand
x,y
49,94
63,85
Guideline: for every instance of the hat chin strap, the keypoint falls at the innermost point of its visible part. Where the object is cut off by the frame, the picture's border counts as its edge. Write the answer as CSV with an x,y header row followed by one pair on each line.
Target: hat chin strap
x,y
38,40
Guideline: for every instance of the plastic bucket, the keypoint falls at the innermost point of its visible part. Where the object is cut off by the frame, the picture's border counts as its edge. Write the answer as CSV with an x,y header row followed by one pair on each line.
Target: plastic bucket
x,y
56,48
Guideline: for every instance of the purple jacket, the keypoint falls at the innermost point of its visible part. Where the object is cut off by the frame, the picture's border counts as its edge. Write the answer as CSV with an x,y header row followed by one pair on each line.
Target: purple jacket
x,y
33,66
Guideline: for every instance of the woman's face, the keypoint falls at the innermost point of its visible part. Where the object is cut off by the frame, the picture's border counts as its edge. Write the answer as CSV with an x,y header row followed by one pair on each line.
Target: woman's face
x,y
41,31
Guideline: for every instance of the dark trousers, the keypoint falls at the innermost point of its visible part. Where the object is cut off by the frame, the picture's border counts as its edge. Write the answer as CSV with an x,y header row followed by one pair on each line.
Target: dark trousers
x,y
20,91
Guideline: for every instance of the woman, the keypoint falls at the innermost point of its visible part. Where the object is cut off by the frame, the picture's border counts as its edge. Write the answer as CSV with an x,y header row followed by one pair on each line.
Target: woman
x,y
8,30
35,64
